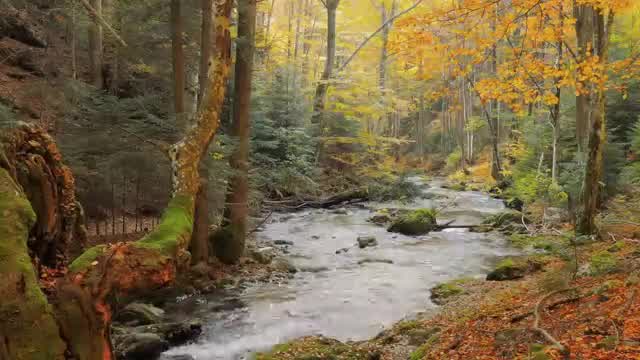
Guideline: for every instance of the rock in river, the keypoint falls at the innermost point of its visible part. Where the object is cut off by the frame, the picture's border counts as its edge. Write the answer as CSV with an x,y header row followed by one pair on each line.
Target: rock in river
x,y
370,260
367,241
139,314
416,222
140,346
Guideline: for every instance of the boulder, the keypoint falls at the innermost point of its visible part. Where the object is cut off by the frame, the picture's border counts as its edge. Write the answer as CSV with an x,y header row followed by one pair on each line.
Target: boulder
x,y
174,333
342,251
444,292
418,337
284,265
341,211
136,314
140,346
263,255
416,222
381,218
512,269
283,242
514,203
367,241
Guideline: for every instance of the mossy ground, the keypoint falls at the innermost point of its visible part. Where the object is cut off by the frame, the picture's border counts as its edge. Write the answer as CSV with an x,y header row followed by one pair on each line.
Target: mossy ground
x,y
316,348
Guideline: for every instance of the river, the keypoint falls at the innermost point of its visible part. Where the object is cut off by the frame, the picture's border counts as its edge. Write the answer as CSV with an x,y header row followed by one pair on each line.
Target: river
x,y
337,295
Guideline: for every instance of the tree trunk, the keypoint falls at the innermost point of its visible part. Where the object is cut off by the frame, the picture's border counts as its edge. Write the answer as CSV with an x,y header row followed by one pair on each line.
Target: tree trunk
x,y
229,249
96,46
598,134
205,45
585,35
323,84
177,54
82,305
199,245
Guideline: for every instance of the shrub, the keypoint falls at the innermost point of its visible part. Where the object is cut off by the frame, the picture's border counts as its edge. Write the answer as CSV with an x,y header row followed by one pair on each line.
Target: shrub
x,y
602,263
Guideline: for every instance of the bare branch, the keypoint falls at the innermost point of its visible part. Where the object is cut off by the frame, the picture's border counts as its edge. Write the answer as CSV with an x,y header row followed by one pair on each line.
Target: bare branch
x,y
102,21
365,41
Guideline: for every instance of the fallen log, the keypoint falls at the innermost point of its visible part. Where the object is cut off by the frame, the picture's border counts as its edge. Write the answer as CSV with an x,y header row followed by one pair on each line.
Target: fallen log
x,y
340,199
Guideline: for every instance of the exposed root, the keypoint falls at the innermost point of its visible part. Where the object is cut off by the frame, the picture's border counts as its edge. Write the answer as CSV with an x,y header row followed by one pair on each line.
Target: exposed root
x,y
536,322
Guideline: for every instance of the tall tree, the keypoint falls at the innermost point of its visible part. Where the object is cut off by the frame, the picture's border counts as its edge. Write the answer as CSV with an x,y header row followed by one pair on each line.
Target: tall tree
x,y
177,55
200,238
206,44
601,32
231,247
323,84
96,45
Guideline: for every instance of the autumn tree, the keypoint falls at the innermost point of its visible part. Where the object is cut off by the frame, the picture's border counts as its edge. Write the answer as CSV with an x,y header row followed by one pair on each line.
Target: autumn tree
x,y
77,323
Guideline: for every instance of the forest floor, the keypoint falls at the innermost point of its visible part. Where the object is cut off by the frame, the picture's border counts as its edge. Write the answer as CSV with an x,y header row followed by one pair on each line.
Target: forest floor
x,y
558,308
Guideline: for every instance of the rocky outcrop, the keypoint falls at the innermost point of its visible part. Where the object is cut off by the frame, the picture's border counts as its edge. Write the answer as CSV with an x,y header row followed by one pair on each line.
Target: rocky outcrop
x,y
17,25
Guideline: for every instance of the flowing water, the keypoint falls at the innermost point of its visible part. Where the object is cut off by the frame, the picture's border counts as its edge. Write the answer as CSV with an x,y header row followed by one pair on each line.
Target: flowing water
x,y
337,295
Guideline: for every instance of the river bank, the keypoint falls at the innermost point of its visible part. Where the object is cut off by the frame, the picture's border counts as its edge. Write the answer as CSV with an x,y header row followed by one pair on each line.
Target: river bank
x,y
564,298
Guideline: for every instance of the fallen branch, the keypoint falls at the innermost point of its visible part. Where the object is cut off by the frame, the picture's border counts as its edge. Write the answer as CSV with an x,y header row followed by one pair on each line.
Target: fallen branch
x,y
261,223
103,22
552,306
536,322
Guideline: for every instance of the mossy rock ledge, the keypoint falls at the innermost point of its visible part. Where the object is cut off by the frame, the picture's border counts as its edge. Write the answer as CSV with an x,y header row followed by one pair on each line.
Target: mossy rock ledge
x,y
416,222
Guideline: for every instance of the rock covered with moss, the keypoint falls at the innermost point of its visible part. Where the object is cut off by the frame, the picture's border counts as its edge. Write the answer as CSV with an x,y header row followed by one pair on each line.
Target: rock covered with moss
x,y
444,292
416,222
513,268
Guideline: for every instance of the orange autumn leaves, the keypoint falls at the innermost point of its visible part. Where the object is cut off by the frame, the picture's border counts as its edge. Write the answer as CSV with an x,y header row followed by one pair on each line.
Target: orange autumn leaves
x,y
534,42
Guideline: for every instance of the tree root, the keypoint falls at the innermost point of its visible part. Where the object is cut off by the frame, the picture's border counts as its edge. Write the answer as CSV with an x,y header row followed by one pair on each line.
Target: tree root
x,y
536,323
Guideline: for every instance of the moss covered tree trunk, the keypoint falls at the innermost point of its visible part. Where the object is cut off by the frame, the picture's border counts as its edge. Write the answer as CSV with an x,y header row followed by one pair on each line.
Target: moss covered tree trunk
x,y
73,320
598,132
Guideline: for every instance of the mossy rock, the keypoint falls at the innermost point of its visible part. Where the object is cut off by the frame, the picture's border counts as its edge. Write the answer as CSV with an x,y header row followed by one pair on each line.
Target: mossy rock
x,y
416,222
315,348
514,203
418,337
139,314
444,292
513,268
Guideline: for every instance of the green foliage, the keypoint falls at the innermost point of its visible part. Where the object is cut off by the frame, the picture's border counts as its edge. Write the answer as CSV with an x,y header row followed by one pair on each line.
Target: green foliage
x,y
282,147
602,262
398,188
454,159
631,173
